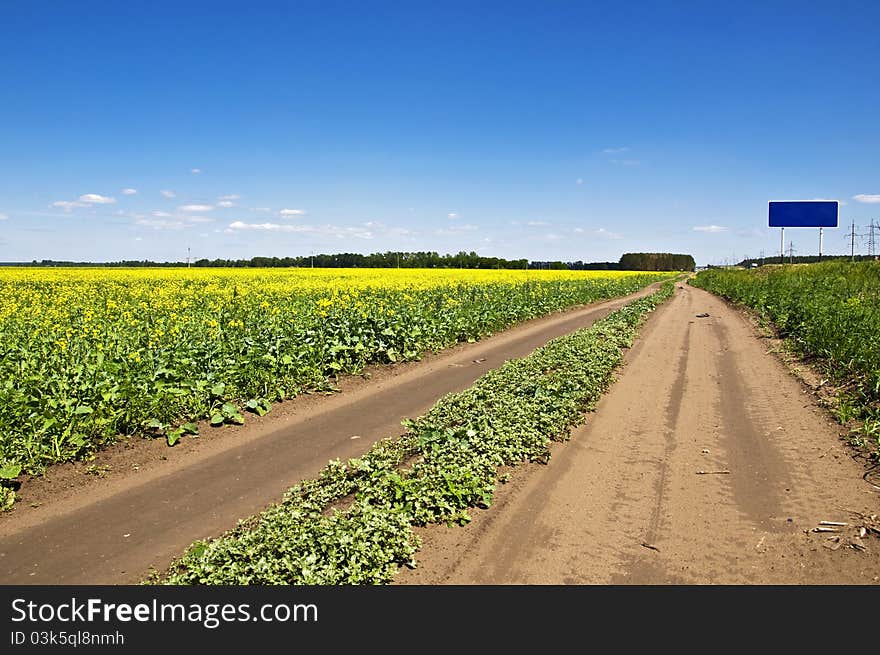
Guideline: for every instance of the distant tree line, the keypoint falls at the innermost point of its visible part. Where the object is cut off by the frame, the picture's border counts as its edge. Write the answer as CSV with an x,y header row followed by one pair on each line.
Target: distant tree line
x,y
576,266
656,261
629,261
799,259
127,263
376,260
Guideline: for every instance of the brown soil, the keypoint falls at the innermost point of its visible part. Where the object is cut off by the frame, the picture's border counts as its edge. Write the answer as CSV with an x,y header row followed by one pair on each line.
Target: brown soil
x,y
138,504
707,462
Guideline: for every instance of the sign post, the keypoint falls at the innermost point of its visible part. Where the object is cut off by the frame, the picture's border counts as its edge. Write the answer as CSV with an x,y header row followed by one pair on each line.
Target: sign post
x,y
803,213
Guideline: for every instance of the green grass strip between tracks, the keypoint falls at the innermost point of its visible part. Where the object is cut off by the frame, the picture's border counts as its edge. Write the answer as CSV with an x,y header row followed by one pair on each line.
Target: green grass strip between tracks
x,y
353,524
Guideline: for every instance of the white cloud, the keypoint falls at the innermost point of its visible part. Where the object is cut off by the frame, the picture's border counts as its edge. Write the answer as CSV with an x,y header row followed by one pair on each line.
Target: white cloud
x,y
138,238
578,230
168,193
261,209
67,205
385,230
85,200
195,171
228,200
96,199
867,197
321,230
579,181
615,151
128,192
291,212
451,216
161,223
3,216
537,223
268,227
195,208
607,234
709,228
165,221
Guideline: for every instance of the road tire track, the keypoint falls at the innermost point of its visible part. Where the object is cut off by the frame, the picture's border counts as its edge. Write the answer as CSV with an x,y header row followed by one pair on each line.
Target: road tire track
x,y
640,494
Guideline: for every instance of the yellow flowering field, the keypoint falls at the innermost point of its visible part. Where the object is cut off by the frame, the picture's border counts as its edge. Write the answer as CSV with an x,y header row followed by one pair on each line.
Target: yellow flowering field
x,y
90,354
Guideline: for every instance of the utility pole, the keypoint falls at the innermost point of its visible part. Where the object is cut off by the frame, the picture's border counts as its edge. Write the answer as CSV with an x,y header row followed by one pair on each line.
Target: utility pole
x,y
852,241
872,245
791,252
187,256
762,258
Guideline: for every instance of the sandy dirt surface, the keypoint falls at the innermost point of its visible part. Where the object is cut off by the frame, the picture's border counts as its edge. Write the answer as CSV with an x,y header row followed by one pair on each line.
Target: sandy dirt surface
x,y
707,462
139,504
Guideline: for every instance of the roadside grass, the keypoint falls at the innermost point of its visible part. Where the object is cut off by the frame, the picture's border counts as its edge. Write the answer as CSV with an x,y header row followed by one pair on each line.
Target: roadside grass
x,y
353,523
828,314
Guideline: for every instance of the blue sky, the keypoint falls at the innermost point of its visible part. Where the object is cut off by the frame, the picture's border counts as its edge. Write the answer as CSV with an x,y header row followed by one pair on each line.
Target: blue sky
x,y
553,130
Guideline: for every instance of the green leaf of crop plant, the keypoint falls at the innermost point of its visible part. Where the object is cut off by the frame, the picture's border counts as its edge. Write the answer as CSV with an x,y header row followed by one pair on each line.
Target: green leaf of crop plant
x,y
10,471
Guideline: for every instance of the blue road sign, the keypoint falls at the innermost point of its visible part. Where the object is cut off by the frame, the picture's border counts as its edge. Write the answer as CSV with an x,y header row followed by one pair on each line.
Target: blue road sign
x,y
803,213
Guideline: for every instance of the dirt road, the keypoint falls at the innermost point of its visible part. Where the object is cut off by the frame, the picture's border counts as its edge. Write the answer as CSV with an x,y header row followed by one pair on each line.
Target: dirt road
x,y
87,529
624,501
